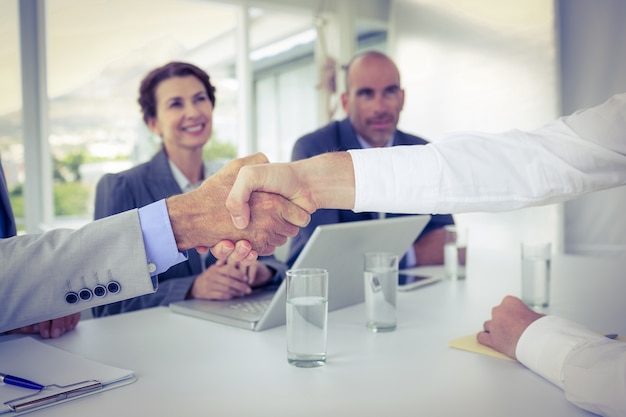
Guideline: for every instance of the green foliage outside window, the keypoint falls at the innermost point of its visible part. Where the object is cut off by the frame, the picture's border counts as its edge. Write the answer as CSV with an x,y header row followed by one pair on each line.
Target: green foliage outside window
x,y
16,196
70,199
216,150
71,196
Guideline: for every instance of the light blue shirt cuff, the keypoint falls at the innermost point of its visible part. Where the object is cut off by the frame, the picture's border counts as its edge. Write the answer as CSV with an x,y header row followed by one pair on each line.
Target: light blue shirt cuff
x,y
158,238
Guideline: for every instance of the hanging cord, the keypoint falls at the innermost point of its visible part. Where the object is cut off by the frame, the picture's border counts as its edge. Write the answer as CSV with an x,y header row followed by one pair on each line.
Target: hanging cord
x,y
328,67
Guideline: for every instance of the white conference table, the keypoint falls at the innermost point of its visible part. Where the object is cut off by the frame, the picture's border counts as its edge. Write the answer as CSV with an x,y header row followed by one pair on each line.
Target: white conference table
x,y
188,367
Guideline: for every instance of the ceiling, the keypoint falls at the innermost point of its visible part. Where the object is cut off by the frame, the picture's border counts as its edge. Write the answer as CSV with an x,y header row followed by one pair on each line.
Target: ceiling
x,y
84,37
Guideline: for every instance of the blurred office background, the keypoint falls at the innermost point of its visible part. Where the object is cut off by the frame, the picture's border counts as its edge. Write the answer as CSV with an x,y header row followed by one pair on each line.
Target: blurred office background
x,y
70,70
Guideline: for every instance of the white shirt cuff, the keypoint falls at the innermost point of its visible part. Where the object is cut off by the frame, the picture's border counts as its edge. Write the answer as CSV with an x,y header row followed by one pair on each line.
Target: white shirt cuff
x,y
546,343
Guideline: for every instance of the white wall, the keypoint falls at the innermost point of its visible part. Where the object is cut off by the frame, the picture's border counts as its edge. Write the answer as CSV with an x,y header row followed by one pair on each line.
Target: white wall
x,y
487,65
285,109
593,66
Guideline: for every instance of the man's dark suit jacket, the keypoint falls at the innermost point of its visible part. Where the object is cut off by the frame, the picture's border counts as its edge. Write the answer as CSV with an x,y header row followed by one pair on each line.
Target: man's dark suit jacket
x,y
138,187
340,136
7,222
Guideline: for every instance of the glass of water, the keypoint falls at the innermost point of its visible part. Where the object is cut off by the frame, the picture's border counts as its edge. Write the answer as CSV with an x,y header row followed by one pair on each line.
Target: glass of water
x,y
381,288
307,316
455,251
536,274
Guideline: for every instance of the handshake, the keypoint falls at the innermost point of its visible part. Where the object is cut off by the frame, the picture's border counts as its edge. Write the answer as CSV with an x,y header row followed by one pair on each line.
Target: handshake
x,y
250,206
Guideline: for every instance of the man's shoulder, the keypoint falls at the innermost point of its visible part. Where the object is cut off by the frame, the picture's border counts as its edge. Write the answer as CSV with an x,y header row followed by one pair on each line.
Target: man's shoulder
x,y
403,138
328,131
137,171
324,139
135,178
156,163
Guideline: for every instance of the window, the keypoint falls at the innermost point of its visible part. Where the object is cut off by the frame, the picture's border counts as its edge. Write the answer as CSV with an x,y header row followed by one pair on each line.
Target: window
x,y
286,108
11,144
97,53
97,56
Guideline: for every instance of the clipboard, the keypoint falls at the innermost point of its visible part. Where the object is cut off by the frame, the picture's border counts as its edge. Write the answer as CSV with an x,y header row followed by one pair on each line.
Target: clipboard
x,y
66,376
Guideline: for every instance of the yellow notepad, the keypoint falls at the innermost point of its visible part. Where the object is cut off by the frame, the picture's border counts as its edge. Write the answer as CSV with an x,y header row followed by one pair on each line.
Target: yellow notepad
x,y
470,343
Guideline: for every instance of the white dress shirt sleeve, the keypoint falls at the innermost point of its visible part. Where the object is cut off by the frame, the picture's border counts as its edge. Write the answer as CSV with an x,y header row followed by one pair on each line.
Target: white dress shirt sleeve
x,y
589,367
471,171
546,343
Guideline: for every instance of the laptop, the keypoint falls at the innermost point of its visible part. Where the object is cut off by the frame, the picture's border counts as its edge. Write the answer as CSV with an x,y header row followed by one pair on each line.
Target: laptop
x,y
339,249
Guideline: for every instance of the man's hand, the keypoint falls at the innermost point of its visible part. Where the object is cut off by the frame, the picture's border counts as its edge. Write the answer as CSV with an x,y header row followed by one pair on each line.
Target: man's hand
x,y
221,281
200,219
239,252
323,181
227,279
274,178
508,322
50,329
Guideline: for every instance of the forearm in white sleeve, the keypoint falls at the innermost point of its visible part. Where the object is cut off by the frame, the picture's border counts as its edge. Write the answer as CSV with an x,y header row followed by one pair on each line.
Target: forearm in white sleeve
x,y
471,171
595,377
590,368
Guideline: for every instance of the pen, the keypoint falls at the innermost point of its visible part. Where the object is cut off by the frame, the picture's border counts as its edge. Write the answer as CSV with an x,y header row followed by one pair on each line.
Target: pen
x,y
20,382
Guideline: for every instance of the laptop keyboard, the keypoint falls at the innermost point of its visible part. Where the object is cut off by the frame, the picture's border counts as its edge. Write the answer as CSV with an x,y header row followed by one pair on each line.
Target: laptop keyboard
x,y
254,307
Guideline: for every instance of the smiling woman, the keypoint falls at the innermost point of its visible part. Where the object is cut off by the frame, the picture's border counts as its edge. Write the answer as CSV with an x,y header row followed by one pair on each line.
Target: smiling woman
x,y
177,102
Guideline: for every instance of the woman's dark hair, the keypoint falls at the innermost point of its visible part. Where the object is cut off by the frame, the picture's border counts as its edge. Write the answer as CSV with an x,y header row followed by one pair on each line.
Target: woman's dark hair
x,y
147,99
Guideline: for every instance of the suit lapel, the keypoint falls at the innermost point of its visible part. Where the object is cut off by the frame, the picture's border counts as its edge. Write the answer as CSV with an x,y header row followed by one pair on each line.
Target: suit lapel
x,y
160,181
347,136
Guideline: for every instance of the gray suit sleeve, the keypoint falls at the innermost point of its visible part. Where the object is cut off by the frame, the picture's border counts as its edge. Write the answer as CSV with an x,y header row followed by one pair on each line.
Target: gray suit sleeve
x,y
169,291
39,273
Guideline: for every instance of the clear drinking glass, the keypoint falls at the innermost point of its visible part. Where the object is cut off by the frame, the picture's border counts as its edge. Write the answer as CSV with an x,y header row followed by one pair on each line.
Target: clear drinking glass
x,y
536,274
455,251
381,287
307,317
